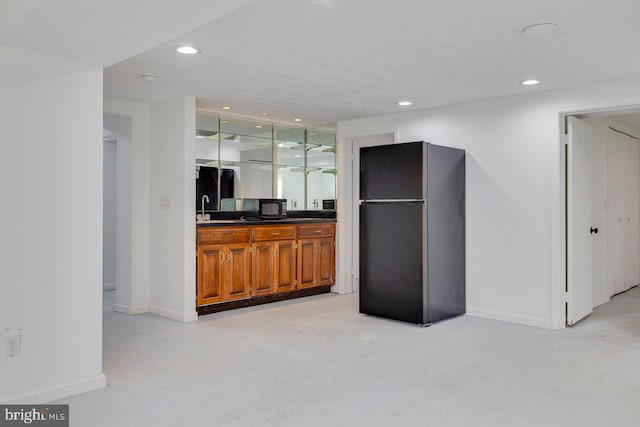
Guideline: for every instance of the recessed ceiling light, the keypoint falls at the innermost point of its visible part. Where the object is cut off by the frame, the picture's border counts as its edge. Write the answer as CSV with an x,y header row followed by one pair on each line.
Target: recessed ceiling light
x,y
265,114
404,103
259,126
537,31
149,77
187,50
531,82
297,155
297,120
226,107
224,122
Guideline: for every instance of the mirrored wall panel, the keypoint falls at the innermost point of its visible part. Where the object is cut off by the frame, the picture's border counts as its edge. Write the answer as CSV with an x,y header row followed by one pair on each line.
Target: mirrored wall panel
x,y
237,157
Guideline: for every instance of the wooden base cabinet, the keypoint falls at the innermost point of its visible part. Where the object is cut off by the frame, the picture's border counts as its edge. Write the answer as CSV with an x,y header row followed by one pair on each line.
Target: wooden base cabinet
x,y
273,260
326,261
316,255
209,279
223,269
242,262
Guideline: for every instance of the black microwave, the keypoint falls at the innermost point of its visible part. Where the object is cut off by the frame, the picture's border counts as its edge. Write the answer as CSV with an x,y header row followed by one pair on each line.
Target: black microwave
x,y
329,204
272,208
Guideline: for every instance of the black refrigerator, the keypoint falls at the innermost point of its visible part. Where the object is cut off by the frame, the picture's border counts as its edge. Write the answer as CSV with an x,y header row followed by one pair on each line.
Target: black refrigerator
x,y
412,232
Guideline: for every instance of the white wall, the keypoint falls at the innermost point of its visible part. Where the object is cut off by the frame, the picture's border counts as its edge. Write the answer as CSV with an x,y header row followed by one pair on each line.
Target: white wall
x,y
172,213
109,219
515,212
130,123
51,228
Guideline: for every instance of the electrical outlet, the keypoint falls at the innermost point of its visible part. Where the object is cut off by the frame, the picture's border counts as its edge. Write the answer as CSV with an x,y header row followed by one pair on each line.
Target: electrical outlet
x,y
13,344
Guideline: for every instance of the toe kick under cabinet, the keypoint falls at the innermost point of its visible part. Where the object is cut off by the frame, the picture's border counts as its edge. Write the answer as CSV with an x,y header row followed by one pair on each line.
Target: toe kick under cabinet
x,y
249,262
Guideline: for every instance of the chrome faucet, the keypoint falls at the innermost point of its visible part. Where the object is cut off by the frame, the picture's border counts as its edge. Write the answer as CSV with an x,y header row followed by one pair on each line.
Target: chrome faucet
x,y
204,198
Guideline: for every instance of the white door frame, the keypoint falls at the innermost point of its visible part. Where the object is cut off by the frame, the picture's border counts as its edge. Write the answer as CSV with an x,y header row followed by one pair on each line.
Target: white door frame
x,y
559,259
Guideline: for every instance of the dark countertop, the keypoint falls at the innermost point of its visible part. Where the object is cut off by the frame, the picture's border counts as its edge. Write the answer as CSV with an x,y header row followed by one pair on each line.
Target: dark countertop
x,y
236,222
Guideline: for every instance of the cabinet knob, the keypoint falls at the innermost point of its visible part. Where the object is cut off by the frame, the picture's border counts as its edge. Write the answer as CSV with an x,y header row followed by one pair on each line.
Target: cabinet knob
x,y
594,230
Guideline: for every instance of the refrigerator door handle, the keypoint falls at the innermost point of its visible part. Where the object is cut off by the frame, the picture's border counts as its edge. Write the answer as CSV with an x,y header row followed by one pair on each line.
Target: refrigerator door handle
x,y
394,201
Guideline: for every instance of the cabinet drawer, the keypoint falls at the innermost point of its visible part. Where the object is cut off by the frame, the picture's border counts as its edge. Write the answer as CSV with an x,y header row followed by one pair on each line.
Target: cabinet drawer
x,y
273,233
316,230
223,235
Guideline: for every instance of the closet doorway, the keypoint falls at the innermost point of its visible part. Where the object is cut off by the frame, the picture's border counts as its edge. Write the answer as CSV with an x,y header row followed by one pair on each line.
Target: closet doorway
x,y
622,208
614,215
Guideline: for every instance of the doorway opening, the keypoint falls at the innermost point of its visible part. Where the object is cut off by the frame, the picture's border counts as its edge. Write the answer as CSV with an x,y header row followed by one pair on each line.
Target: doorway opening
x,y
602,208
109,209
117,218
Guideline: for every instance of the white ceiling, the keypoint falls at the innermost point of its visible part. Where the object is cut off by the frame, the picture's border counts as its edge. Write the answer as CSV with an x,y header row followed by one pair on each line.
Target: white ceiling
x,y
331,61
103,31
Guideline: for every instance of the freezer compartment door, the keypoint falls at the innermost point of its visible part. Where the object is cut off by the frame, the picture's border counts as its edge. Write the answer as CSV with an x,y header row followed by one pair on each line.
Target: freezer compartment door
x,y
392,171
391,255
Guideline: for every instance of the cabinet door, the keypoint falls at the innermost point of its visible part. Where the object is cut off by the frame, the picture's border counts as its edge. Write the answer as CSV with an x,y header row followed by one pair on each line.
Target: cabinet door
x,y
307,260
326,261
210,278
262,268
285,266
237,271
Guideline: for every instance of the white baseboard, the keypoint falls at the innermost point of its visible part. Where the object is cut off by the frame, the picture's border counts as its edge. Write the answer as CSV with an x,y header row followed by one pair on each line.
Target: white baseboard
x,y
131,309
50,394
510,317
109,287
180,317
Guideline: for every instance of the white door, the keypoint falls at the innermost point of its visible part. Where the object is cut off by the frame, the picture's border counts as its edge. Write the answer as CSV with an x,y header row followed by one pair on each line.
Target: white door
x,y
623,212
632,247
616,165
579,221
365,141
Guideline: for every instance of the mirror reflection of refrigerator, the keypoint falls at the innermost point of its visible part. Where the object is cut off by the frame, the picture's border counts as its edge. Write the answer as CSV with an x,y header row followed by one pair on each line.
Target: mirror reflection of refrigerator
x,y
412,232
207,184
